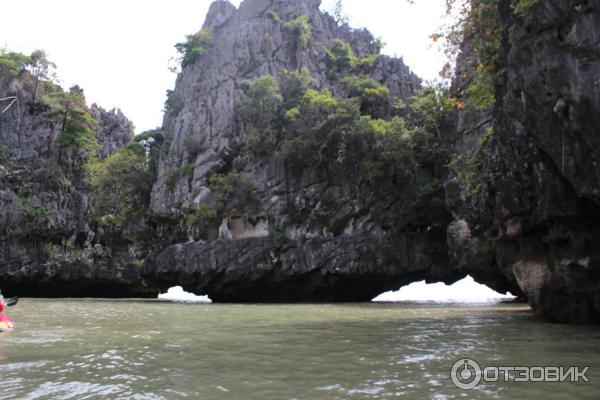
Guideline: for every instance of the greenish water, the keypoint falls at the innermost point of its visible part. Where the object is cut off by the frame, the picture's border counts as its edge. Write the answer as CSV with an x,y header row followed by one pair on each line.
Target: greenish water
x,y
70,349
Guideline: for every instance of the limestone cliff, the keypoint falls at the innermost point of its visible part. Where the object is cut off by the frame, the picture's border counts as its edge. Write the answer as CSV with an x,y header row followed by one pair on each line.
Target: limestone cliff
x,y
246,45
47,244
534,215
291,229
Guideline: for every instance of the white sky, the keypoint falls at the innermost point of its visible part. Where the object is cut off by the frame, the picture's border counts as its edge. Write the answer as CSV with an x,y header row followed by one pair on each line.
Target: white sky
x,y
118,51
463,291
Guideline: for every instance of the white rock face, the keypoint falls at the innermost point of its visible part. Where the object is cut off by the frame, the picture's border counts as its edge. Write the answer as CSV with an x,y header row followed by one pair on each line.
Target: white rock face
x,y
242,228
237,227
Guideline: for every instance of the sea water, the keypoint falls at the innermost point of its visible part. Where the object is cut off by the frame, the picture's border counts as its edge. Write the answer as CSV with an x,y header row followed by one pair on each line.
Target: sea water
x,y
93,349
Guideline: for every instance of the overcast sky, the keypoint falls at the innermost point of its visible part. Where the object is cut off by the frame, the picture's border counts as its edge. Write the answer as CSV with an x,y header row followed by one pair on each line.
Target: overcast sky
x,y
119,51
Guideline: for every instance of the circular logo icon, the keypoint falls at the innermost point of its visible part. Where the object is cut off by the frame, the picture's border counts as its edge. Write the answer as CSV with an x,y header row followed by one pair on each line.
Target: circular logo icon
x,y
465,374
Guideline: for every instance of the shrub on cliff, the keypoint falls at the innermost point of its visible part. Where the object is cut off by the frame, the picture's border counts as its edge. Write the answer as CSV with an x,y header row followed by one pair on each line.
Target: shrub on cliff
x,y
295,85
77,139
121,185
234,192
259,112
194,144
299,28
202,221
203,215
316,136
11,64
41,70
340,57
521,7
372,94
194,46
173,176
431,106
231,193
35,71
475,34
264,96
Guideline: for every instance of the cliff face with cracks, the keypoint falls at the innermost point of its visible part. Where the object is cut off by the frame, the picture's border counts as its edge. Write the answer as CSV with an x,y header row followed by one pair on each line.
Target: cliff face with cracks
x,y
247,44
535,218
550,113
315,230
47,244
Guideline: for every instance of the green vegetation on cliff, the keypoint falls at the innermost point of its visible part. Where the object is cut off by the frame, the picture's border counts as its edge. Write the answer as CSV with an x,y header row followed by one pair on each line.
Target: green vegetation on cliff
x,y
121,185
299,28
194,46
232,193
372,94
68,200
521,7
473,46
474,39
27,79
341,58
76,137
308,129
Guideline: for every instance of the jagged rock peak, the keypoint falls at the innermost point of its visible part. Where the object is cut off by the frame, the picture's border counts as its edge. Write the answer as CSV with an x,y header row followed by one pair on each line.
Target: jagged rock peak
x,y
115,129
221,11
255,8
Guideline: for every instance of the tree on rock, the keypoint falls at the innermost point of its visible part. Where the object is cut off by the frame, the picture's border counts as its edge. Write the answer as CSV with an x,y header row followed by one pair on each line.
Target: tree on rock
x,y
338,13
194,46
40,68
122,184
76,138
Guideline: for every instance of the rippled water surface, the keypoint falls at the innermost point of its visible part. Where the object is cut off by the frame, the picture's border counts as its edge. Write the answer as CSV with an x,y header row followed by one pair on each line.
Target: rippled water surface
x,y
76,349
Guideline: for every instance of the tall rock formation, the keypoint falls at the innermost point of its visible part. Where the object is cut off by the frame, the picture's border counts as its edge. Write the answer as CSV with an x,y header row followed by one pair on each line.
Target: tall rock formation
x,y
47,244
535,218
302,231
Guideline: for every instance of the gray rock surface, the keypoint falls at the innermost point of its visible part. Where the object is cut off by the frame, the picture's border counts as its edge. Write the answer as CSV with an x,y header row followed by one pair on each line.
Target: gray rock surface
x,y
248,45
46,244
536,216
314,262
340,269
114,131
